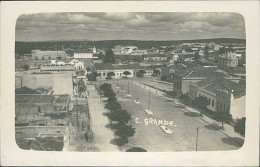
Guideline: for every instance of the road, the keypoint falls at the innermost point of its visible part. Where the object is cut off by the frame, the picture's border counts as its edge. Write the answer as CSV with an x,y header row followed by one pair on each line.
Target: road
x,y
152,138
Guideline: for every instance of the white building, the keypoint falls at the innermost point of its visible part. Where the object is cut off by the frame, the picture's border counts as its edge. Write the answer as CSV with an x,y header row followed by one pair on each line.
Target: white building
x,y
83,55
78,64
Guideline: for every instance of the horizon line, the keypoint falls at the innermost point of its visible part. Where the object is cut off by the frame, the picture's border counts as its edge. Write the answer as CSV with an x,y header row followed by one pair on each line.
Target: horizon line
x,y
64,40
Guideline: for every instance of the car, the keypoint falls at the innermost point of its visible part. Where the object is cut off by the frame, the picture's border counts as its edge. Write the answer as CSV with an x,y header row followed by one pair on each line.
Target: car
x,y
136,101
166,129
149,112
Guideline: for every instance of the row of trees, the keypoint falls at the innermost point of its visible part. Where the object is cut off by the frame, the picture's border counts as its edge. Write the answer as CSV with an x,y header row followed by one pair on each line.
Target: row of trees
x,y
119,117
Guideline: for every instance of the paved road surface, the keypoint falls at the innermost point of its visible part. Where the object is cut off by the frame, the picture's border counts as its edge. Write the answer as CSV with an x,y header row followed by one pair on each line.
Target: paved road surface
x,y
153,138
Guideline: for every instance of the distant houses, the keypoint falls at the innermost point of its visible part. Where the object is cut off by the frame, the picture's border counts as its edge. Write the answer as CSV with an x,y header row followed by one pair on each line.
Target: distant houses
x,y
229,59
104,68
48,55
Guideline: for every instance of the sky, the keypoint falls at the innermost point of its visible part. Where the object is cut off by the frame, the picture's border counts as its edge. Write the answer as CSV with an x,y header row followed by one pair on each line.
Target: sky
x,y
129,26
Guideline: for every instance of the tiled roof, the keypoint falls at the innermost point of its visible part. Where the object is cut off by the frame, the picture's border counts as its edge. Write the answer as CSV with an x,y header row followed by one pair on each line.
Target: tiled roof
x,y
155,55
22,98
104,66
25,90
220,84
128,66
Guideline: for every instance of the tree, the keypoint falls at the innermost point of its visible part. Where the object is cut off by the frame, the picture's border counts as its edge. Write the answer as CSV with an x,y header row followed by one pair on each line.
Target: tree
x,y
109,75
120,141
136,149
113,106
196,56
206,51
81,86
125,131
121,116
201,102
185,98
92,76
126,73
26,67
240,126
223,116
140,73
156,72
105,86
109,56
111,99
88,69
109,93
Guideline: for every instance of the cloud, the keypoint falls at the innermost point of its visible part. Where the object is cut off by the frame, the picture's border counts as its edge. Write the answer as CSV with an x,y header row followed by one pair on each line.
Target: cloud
x,y
155,26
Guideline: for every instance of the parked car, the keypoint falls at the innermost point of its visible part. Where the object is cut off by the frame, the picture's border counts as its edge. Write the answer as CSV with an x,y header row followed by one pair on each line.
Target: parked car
x,y
166,129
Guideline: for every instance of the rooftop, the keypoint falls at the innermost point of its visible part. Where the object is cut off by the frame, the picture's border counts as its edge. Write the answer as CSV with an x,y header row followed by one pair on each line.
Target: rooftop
x,y
220,84
155,55
104,66
36,98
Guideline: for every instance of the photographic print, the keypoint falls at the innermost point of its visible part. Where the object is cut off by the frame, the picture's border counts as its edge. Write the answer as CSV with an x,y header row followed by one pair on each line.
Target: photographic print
x,y
130,82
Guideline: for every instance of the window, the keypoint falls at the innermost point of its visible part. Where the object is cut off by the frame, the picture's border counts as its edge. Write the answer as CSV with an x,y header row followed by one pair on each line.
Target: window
x,y
209,100
224,107
212,103
58,131
19,133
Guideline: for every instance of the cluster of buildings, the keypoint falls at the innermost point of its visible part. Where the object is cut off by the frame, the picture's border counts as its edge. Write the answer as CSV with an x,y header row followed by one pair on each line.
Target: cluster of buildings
x,y
44,94
225,93
104,68
128,50
44,99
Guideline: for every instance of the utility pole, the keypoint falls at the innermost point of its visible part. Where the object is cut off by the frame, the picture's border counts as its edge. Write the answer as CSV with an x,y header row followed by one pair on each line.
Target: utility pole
x,y
197,138
77,102
149,101
99,91
128,88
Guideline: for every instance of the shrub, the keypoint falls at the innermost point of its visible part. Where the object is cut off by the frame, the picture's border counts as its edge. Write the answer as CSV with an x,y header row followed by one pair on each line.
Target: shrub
x,y
240,126
185,98
201,102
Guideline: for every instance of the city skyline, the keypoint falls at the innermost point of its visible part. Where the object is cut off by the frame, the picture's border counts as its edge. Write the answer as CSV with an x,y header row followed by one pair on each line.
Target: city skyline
x,y
129,26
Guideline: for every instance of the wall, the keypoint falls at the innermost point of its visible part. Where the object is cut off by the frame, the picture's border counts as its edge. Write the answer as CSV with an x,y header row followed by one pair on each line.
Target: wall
x,y
238,107
60,82
38,131
83,55
185,87
35,81
210,96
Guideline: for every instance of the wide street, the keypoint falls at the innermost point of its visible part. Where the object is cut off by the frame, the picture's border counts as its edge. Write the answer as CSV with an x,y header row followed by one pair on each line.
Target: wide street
x,y
152,137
